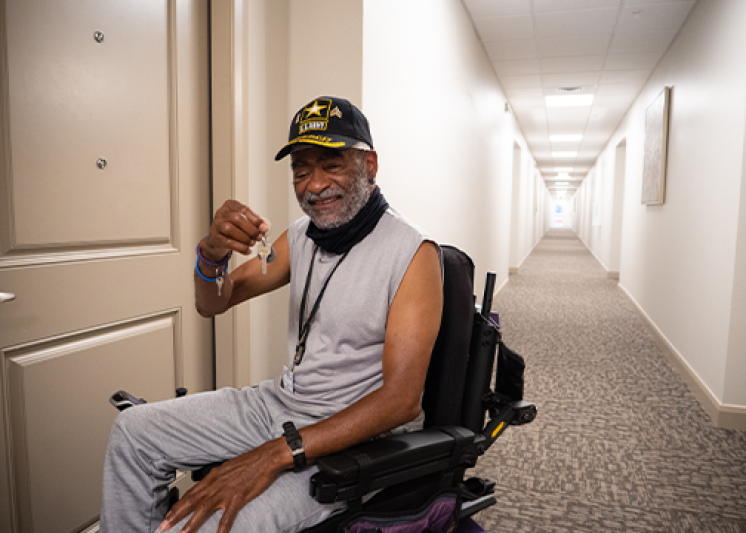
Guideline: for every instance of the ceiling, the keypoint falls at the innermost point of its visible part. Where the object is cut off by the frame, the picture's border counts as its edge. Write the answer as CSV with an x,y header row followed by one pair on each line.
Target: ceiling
x,y
604,48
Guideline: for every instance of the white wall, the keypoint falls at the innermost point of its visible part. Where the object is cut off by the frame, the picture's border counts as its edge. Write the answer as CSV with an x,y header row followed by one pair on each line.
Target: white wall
x,y
437,116
439,124
684,262
524,219
601,195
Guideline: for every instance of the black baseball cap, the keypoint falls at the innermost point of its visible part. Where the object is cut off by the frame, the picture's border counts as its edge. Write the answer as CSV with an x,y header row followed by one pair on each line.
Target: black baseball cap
x,y
329,122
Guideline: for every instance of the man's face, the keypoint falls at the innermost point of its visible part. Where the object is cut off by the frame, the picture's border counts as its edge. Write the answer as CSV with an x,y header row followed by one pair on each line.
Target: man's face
x,y
332,185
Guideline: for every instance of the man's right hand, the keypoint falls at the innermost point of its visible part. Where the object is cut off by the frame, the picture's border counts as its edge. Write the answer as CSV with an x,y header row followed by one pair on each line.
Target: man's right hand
x,y
235,227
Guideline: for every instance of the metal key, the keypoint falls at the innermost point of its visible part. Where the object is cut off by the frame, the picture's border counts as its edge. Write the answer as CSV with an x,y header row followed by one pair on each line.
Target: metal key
x,y
219,283
265,251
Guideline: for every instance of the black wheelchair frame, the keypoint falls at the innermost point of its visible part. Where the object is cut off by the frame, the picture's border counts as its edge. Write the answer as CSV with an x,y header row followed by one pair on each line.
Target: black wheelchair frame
x,y
409,470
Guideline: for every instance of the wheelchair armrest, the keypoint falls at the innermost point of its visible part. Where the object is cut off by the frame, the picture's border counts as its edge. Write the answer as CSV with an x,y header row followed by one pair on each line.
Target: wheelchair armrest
x,y
392,460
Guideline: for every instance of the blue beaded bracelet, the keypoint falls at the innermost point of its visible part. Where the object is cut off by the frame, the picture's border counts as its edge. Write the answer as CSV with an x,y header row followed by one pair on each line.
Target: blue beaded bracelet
x,y
201,275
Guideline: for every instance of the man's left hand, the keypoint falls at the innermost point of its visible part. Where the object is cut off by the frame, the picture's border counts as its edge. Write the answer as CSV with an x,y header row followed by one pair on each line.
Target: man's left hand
x,y
229,488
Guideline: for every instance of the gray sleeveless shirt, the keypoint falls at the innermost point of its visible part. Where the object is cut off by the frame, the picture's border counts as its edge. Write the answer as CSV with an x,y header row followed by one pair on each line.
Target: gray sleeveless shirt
x,y
343,358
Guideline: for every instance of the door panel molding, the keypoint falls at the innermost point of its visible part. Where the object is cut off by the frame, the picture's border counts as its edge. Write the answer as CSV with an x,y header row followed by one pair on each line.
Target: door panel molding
x,y
43,451
143,224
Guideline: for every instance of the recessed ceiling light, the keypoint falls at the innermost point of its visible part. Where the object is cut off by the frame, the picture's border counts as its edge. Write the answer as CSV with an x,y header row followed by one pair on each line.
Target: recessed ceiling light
x,y
564,154
562,169
569,100
562,183
563,175
565,138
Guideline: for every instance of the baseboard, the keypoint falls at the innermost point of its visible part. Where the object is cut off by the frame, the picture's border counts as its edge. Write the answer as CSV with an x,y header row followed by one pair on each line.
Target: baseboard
x,y
723,415
512,271
502,285
611,274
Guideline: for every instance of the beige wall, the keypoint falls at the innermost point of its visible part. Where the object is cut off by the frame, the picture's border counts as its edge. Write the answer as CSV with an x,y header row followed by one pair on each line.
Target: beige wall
x,y
683,262
268,181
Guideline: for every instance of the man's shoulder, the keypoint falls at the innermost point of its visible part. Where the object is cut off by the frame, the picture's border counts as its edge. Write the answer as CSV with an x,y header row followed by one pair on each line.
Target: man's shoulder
x,y
298,228
392,220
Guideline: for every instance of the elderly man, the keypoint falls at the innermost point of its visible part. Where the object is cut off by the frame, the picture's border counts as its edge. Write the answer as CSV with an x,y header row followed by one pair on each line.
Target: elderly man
x,y
365,303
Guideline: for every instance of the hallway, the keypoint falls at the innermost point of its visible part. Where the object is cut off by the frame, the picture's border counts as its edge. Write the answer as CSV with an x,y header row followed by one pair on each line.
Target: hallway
x,y
620,442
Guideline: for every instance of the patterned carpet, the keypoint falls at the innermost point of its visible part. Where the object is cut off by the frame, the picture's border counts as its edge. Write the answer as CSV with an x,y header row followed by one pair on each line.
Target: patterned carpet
x,y
620,443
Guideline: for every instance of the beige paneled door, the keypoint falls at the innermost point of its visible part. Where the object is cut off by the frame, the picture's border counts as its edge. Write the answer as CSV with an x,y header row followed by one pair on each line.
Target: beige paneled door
x,y
104,192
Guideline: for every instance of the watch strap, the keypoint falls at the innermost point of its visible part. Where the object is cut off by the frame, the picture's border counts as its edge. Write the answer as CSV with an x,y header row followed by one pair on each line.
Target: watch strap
x,y
296,446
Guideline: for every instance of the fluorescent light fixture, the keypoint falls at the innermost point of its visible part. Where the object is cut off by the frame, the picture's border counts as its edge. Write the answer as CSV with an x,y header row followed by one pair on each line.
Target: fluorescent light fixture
x,y
563,169
569,100
563,175
561,183
564,154
565,138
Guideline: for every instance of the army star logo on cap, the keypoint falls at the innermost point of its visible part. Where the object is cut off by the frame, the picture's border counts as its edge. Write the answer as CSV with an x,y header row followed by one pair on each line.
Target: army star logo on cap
x,y
315,117
315,109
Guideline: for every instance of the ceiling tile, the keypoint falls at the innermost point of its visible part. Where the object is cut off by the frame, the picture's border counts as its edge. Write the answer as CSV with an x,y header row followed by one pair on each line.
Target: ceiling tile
x,y
574,45
543,6
596,134
635,43
625,76
584,22
540,146
651,18
570,79
536,116
574,146
595,146
632,61
516,68
497,8
533,130
564,120
505,29
507,50
534,95
509,82
572,64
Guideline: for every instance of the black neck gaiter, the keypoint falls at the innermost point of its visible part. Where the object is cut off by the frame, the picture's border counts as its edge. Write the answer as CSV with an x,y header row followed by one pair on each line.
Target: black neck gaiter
x,y
342,239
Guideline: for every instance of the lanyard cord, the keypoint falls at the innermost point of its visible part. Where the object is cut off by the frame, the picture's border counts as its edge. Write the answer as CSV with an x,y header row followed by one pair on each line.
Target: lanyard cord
x,y
304,328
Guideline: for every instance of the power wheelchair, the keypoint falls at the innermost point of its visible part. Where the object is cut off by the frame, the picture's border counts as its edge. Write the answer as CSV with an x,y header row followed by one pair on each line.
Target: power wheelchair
x,y
418,478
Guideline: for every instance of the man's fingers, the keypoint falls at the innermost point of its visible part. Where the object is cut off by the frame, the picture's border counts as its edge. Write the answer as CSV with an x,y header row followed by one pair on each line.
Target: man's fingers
x,y
226,521
238,224
195,522
238,211
179,511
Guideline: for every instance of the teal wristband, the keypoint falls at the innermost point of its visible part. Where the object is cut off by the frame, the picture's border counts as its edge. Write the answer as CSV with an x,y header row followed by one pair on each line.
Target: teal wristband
x,y
201,275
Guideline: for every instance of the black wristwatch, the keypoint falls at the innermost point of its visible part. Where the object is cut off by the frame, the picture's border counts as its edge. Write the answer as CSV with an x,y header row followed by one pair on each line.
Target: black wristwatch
x,y
296,446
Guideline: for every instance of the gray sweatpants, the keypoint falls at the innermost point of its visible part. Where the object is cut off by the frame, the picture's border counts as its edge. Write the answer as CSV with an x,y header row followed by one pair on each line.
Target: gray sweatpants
x,y
149,442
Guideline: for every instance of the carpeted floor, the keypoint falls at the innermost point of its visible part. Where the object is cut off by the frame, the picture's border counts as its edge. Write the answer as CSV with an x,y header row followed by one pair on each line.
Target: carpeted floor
x,y
620,443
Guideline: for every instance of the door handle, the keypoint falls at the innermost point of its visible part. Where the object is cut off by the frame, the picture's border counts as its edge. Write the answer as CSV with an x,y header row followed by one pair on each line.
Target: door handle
x,y
6,297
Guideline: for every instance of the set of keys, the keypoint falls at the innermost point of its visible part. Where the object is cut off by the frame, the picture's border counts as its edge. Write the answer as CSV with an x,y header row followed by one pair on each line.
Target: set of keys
x,y
264,250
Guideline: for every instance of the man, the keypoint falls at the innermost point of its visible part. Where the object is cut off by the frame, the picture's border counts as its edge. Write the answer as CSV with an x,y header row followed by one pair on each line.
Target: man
x,y
365,304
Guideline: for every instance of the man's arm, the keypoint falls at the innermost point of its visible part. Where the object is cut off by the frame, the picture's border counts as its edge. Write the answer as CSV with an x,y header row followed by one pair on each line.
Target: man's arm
x,y
411,329
237,228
